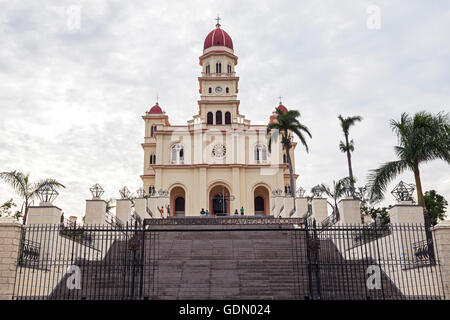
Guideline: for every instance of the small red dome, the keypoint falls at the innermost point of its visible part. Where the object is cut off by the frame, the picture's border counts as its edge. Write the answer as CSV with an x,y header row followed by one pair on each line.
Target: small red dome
x,y
218,37
156,109
282,108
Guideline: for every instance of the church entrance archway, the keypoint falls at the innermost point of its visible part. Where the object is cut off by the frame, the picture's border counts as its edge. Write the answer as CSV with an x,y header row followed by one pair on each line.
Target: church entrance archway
x,y
261,201
219,199
177,201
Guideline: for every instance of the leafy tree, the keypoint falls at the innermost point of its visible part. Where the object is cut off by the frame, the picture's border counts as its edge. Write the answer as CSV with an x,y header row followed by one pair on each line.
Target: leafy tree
x,y
286,123
436,206
422,138
26,189
348,146
5,210
379,215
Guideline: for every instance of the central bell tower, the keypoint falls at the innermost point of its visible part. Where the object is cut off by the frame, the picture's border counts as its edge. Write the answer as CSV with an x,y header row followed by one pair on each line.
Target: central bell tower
x,y
218,104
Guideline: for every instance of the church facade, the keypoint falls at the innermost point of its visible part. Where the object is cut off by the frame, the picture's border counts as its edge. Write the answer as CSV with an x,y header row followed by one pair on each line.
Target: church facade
x,y
218,161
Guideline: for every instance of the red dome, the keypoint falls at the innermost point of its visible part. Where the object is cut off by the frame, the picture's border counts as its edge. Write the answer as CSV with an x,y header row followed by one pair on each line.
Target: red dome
x,y
282,108
218,37
156,109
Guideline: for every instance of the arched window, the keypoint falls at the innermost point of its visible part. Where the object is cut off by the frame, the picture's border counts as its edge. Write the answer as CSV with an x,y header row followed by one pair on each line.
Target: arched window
x,y
227,117
260,153
208,69
219,117
210,90
227,90
152,130
151,190
177,154
152,159
218,67
209,118
229,68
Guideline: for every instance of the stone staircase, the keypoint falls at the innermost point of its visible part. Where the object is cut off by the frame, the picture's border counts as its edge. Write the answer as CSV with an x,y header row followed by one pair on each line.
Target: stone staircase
x,y
236,262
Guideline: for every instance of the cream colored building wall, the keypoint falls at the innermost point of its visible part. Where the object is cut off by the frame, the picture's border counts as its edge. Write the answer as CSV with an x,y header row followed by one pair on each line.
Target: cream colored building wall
x,y
198,182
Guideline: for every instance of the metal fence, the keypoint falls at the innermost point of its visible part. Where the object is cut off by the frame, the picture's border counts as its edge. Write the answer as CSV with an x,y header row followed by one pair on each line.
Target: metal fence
x,y
255,258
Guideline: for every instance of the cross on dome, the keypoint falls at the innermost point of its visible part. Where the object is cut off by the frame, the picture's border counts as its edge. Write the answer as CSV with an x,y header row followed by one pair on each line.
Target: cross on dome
x,y
279,98
218,21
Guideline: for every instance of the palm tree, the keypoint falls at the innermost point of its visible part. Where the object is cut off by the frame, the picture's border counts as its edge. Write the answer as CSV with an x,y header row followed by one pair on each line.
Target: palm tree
x,y
336,192
287,121
26,189
422,138
348,146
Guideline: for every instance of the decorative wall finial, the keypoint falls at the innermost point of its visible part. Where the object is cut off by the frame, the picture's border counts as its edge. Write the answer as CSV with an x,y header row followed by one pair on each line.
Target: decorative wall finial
x,y
47,194
300,192
96,191
124,193
140,192
403,191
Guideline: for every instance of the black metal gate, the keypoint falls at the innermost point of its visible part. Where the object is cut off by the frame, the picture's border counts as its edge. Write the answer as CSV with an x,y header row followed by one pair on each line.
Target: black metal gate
x,y
226,258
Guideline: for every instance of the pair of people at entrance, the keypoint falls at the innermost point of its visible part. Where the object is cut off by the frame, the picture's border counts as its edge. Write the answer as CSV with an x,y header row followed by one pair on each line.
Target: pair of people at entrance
x,y
164,214
241,210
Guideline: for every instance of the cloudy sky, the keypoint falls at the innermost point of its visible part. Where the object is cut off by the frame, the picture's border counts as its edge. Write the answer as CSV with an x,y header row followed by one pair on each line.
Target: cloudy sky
x,y
76,76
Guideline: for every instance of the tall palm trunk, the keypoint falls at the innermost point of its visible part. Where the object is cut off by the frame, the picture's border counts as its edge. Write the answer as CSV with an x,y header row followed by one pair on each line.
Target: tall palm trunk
x,y
420,198
25,215
349,160
291,173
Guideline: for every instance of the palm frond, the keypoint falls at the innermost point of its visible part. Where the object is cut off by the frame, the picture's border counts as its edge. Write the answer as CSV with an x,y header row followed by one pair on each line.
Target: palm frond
x,y
18,181
380,178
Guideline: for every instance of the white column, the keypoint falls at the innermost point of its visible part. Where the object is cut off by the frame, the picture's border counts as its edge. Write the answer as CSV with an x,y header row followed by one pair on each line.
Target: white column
x,y
442,236
319,209
279,204
45,213
152,203
123,210
301,204
95,212
288,206
140,207
406,212
350,211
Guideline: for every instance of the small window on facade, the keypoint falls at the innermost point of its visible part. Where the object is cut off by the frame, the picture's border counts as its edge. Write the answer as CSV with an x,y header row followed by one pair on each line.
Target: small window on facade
x,y
209,118
177,154
284,158
219,117
218,67
227,90
229,68
260,153
227,117
210,90
207,68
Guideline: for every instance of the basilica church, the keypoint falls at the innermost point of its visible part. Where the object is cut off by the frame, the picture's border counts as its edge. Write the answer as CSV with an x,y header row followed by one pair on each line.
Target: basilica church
x,y
218,161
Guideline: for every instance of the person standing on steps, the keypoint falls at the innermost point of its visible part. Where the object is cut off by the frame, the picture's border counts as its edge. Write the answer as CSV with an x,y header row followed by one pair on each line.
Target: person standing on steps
x,y
202,213
236,212
168,210
161,211
242,211
207,212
